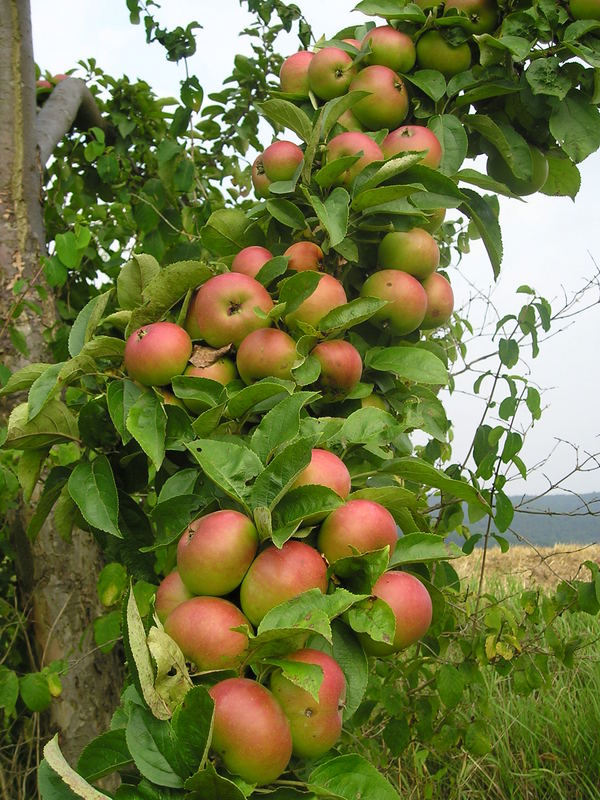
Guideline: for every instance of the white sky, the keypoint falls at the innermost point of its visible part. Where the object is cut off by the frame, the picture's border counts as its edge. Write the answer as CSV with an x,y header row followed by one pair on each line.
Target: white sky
x,y
552,244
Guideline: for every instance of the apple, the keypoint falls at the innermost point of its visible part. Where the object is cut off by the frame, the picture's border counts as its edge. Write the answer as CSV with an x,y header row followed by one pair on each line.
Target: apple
x,y
60,77
280,160
250,732
498,169
202,627
328,295
330,73
434,52
390,48
293,75
259,179
169,398
155,353
341,365
407,301
353,42
43,84
374,401
483,14
348,121
325,469
315,725
387,105
303,256
352,143
585,9
265,353
250,260
412,607
277,575
171,592
414,138
414,251
215,551
440,301
357,527
222,370
435,219
223,310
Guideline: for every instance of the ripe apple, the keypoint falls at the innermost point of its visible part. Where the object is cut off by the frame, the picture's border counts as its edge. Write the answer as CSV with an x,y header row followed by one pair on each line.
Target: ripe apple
x,y
390,48
60,77
411,604
223,310
585,9
215,551
341,365
440,301
353,42
414,251
434,52
171,592
43,84
250,260
387,105
407,301
266,353
156,353
499,170
281,159
483,14
259,179
277,575
202,627
358,526
303,256
325,469
293,75
223,371
250,731
414,137
352,143
328,295
330,73
315,726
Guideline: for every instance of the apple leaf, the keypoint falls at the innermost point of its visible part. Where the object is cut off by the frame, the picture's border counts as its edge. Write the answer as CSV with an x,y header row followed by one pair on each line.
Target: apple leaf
x,y
53,424
229,465
420,472
333,109
563,179
286,114
23,378
333,214
120,397
104,755
419,548
147,423
359,572
192,727
349,654
133,278
207,784
430,82
257,393
305,676
351,776
307,505
374,617
451,134
87,321
58,779
287,213
42,389
93,489
332,170
486,222
226,232
153,749
280,425
273,482
409,363
575,123
202,391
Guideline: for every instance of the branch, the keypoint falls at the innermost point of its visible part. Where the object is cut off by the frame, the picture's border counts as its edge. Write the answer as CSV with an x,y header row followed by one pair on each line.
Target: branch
x,y
70,103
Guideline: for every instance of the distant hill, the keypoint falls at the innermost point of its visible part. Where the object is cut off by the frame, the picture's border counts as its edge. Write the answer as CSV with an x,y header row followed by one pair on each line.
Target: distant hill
x,y
554,518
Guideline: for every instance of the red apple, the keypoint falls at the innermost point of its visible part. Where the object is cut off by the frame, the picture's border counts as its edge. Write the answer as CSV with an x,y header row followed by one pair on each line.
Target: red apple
x,y
414,251
353,42
352,143
341,365
387,105
328,295
223,371
280,160
156,353
325,469
171,592
390,48
43,84
407,301
315,725
440,301
293,75
303,256
250,732
358,526
223,310
259,179
277,575
215,551
434,52
412,607
250,260
266,353
330,73
202,627
414,138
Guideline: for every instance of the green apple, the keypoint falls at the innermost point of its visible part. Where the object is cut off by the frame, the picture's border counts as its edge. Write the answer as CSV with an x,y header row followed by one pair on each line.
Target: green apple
x,y
414,251
434,52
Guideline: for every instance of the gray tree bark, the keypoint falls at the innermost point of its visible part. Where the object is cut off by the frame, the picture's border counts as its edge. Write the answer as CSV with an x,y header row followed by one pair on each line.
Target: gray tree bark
x,y
57,579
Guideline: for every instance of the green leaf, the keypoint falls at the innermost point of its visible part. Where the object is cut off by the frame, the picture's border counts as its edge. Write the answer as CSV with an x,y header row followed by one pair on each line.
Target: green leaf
x,y
54,424
306,504
508,351
192,727
418,471
360,572
35,691
575,124
390,9
22,379
333,110
287,115
272,269
66,249
333,213
202,391
152,749
147,423
133,279
394,498
9,689
409,363
107,631
420,548
450,685
273,482
349,654
477,741
351,776
429,81
92,487
452,136
251,396
563,176
87,321
487,224
372,198
375,618
306,676
42,389
368,425
59,781
377,173
229,465
296,289
225,233
111,584
280,425
56,480
545,77
511,145
120,397
207,784
504,511
331,171
104,755
287,213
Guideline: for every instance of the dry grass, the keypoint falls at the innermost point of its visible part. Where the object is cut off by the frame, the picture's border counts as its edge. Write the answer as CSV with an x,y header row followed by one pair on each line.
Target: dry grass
x,y
539,567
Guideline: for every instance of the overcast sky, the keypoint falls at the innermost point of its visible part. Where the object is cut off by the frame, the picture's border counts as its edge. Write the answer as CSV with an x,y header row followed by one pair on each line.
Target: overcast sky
x,y
551,244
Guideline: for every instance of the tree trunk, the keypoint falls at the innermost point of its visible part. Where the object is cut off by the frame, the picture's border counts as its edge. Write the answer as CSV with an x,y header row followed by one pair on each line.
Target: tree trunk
x,y
57,579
